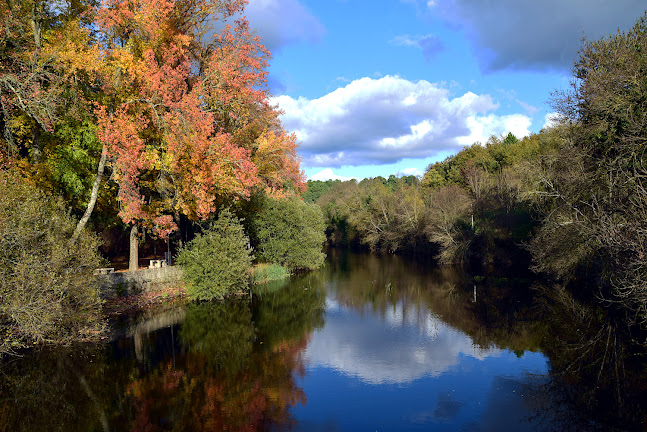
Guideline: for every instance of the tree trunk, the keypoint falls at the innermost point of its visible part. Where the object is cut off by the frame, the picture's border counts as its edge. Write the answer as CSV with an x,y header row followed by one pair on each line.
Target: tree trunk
x,y
36,27
93,198
35,144
180,242
134,249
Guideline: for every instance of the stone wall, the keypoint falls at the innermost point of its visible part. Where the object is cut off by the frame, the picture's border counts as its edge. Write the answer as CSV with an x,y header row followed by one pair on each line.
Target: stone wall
x,y
134,282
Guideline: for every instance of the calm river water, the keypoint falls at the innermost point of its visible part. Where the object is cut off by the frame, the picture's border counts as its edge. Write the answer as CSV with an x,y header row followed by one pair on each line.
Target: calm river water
x,y
365,344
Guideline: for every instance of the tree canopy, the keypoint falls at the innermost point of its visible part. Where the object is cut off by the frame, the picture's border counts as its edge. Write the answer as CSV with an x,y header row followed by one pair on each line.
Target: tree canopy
x,y
169,97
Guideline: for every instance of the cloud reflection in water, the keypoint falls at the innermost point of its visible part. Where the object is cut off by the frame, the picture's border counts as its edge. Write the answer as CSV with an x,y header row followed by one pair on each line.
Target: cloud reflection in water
x,y
404,344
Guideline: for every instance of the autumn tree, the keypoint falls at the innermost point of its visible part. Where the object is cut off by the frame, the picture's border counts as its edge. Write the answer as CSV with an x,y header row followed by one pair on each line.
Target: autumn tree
x,y
186,120
29,85
49,62
45,50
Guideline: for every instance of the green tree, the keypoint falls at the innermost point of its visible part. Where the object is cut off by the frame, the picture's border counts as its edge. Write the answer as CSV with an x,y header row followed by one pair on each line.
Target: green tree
x,y
216,262
290,232
316,188
372,211
448,209
339,231
596,219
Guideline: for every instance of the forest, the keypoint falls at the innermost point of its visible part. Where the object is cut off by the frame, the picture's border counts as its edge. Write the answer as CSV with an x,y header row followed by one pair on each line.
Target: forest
x,y
569,202
127,124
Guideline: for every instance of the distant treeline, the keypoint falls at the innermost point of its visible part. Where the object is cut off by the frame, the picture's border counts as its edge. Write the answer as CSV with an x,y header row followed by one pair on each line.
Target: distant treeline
x,y
474,207
572,199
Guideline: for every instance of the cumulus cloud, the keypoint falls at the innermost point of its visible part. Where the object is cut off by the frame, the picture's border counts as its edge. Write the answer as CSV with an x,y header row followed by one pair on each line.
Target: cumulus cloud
x,y
485,126
533,34
411,171
281,22
379,121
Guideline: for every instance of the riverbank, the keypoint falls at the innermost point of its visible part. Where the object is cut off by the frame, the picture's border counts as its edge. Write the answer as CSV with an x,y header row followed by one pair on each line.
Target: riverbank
x,y
136,302
129,292
126,292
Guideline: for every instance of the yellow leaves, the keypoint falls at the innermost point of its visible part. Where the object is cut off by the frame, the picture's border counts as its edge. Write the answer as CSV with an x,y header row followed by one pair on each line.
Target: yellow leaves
x,y
153,158
166,160
271,150
122,64
22,127
72,48
276,162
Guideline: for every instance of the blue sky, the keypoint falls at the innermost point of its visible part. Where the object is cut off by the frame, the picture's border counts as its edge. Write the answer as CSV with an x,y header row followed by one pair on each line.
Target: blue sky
x,y
387,87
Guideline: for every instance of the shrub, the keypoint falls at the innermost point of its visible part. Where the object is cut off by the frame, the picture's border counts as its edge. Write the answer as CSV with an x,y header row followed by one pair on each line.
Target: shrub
x,y
216,263
47,290
290,232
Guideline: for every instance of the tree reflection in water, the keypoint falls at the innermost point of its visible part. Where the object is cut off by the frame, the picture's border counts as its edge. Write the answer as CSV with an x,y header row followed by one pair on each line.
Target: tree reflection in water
x,y
239,365
230,366
56,390
598,365
236,365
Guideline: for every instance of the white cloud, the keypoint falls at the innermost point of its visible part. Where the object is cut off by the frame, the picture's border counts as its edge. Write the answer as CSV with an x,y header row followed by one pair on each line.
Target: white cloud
x,y
412,171
379,121
281,22
483,127
533,34
328,174
405,40
530,109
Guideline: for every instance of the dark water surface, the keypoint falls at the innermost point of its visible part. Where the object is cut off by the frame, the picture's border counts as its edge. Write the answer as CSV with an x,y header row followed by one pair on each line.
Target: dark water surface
x,y
365,344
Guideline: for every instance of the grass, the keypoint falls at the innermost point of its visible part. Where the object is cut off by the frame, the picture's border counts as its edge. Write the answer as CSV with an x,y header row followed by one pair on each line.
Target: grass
x,y
264,273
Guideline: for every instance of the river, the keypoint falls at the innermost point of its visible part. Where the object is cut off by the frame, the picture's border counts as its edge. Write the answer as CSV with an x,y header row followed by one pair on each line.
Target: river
x,y
366,343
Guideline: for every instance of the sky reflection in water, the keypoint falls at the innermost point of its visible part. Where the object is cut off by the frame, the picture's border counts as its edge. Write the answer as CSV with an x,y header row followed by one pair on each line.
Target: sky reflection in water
x,y
406,369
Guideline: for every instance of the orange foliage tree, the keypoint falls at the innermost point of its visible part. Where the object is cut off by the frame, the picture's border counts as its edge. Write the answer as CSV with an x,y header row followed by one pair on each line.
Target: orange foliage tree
x,y
186,120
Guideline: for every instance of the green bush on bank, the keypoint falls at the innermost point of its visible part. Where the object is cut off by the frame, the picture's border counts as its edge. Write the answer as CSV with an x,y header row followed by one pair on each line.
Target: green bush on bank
x,y
47,289
216,263
290,232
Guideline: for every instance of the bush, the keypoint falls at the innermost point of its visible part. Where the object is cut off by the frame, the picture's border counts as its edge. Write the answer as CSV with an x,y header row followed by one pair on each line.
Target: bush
x,y
290,232
47,290
263,273
216,263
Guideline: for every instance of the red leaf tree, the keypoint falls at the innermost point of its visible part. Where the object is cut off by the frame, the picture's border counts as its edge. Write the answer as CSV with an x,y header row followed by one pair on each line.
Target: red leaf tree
x,y
186,119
